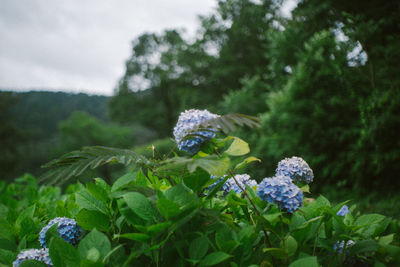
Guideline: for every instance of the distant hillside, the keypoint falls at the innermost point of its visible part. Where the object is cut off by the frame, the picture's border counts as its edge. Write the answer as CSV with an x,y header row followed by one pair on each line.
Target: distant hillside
x,y
40,112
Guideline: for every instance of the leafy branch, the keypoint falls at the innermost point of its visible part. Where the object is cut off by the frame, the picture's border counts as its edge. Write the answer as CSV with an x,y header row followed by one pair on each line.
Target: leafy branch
x,y
76,162
227,123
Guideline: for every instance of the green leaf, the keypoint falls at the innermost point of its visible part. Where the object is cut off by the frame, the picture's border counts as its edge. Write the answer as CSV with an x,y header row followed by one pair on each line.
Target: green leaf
x,y
278,253
198,248
305,262
89,219
369,219
7,244
97,240
134,236
238,147
291,245
86,201
246,161
157,228
305,189
32,263
214,258
181,195
7,256
103,184
386,240
141,206
196,180
63,254
124,180
364,246
211,164
167,208
98,192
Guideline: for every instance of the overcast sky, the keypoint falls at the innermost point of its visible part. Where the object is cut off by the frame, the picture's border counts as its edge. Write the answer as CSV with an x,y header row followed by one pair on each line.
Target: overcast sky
x,y
81,45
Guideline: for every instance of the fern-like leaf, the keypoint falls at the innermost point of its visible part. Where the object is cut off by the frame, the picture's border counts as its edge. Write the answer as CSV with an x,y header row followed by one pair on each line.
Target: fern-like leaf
x,y
76,162
227,123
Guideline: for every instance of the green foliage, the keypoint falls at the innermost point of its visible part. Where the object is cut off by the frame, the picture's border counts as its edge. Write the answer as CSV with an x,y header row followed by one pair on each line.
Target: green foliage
x,y
165,215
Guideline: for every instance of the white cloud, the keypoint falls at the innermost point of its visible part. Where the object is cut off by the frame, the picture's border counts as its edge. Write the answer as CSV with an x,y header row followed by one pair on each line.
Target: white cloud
x,y
81,45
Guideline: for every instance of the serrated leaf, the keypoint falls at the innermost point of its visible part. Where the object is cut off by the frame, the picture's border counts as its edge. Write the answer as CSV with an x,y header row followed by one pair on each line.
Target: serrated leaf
x,y
98,192
89,219
86,201
141,206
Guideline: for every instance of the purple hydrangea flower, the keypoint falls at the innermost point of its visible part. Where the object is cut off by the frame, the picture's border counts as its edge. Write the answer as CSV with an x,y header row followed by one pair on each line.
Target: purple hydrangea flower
x,y
188,123
67,228
296,169
34,254
343,211
281,191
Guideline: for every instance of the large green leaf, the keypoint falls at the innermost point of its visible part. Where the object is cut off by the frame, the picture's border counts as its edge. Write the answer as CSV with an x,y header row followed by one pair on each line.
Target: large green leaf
x,y
198,248
89,219
238,147
141,206
63,254
97,240
196,180
168,208
305,262
86,201
214,165
76,162
214,258
124,180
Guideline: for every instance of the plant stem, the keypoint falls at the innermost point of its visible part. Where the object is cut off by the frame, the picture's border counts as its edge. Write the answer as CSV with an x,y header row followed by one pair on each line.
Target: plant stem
x,y
254,206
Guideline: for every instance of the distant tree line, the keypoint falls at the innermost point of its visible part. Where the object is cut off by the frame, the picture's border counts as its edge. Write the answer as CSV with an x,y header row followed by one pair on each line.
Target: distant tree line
x,y
325,82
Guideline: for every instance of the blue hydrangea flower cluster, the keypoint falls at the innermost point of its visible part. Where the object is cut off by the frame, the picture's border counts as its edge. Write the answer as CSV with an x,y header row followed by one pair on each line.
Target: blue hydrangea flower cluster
x,y
34,254
296,169
230,184
343,211
281,191
188,123
67,228
338,246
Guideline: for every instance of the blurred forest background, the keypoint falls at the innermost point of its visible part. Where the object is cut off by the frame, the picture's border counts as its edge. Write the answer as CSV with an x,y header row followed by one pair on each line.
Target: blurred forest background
x,y
325,83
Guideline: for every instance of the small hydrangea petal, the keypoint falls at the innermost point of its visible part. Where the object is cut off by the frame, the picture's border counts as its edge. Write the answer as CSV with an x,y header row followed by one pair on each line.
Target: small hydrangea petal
x,y
281,191
343,211
33,254
296,169
67,228
188,123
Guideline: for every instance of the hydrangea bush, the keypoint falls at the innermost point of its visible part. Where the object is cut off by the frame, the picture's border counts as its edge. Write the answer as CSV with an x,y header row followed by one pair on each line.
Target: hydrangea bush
x,y
177,212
